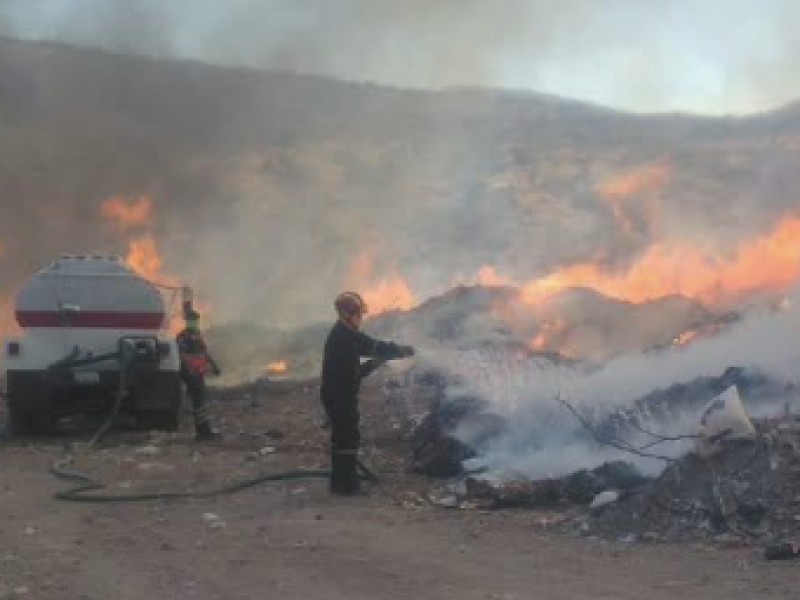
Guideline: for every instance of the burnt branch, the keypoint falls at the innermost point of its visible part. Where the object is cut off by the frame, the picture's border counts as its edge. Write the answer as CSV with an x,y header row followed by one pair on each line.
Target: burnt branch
x,y
660,438
619,445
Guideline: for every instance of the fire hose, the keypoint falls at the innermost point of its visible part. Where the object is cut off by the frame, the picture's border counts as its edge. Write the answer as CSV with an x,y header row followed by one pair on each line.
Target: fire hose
x,y
81,492
85,485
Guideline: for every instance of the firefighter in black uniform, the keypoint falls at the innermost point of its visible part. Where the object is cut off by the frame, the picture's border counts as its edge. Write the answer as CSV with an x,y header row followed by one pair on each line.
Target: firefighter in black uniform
x,y
196,363
342,371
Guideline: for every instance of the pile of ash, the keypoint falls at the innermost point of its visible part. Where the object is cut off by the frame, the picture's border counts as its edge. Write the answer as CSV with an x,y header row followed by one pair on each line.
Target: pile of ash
x,y
749,493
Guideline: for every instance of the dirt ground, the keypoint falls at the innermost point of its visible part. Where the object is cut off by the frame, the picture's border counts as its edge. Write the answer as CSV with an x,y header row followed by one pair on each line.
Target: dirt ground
x,y
292,540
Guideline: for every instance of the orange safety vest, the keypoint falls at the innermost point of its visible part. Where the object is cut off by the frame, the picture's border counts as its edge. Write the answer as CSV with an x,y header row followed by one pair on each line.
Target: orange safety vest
x,y
196,364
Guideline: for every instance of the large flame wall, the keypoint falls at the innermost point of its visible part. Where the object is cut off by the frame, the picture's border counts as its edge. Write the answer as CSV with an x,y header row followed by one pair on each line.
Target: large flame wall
x,y
268,205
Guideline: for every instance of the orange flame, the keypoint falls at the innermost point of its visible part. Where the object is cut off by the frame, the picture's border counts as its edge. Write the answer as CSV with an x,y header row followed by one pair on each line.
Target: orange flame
x,y
145,259
643,180
645,184
489,277
770,262
548,334
381,294
685,338
136,214
277,367
392,293
8,324
128,213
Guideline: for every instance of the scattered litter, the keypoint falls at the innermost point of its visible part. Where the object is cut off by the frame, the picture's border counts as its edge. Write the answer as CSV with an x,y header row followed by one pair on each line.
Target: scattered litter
x,y
412,501
213,520
743,494
604,499
785,551
445,502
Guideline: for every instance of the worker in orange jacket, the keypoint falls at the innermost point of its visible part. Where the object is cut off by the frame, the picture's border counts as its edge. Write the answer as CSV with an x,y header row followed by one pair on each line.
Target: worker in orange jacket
x,y
196,363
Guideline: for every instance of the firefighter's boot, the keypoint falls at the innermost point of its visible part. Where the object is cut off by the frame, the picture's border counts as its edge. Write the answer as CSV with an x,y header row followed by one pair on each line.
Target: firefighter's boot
x,y
344,477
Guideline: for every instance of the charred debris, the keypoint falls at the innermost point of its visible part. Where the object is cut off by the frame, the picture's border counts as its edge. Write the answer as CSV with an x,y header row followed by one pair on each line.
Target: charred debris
x,y
747,492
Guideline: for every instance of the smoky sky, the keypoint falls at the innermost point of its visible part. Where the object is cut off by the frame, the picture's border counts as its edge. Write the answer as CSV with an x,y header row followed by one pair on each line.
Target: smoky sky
x,y
712,56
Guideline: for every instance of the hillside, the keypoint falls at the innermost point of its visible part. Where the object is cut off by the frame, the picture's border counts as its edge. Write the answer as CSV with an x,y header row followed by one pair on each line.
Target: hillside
x,y
267,186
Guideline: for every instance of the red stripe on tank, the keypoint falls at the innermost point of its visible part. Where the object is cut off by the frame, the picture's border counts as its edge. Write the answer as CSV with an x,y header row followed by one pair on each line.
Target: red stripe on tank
x,y
90,319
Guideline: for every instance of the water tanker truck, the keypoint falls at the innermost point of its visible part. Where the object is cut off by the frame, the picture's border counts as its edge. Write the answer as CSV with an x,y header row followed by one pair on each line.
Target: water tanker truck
x,y
93,341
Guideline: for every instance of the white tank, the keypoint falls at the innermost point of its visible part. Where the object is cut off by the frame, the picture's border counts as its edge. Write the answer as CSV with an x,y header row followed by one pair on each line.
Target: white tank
x,y
80,316
91,292
85,304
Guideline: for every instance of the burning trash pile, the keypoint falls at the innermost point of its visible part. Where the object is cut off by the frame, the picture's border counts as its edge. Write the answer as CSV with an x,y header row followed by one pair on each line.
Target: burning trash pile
x,y
575,324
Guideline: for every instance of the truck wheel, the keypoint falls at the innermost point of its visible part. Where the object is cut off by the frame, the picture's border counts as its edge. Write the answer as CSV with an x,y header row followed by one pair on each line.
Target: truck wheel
x,y
30,409
43,422
18,422
27,422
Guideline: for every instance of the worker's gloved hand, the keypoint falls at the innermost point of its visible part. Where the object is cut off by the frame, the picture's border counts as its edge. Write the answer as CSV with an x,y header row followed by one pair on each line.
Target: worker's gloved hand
x,y
405,351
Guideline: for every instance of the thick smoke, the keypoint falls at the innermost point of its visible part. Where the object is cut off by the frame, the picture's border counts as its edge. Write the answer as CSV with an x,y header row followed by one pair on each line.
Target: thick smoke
x,y
266,188
139,26
545,440
643,56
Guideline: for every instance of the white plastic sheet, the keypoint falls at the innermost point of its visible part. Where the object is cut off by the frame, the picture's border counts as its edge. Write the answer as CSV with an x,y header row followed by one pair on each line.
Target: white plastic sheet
x,y
723,418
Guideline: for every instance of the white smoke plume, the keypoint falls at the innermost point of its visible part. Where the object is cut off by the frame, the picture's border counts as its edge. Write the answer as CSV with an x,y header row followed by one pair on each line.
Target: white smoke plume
x,y
545,440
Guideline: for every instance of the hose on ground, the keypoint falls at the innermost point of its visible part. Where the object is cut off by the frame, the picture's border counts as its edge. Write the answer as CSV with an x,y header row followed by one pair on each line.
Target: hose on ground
x,y
85,485
81,492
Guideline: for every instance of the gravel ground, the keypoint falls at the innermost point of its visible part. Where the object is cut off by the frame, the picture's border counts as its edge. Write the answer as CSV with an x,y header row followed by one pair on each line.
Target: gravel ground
x,y
292,540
